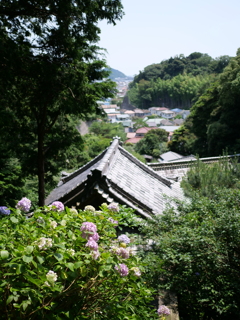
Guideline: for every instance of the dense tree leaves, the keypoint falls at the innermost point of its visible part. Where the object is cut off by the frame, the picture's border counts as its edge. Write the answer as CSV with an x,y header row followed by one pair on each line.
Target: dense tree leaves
x,y
215,116
175,82
178,91
195,254
153,143
50,57
205,179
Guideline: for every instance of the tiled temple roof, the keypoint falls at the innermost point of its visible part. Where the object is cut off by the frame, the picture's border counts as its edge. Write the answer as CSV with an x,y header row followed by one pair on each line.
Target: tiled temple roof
x,y
116,175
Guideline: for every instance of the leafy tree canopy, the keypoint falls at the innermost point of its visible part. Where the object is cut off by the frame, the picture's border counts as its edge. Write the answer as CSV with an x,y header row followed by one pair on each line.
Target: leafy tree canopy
x,y
195,254
214,118
153,143
50,70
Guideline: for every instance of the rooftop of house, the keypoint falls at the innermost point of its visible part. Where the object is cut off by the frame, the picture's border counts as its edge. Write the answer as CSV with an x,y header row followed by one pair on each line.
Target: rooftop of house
x,y
158,108
129,112
133,139
110,106
177,110
116,175
169,156
168,112
145,129
131,135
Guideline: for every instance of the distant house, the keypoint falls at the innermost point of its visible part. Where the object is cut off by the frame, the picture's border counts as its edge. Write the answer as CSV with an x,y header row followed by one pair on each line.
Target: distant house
x,y
178,122
112,108
157,110
112,117
166,122
142,131
184,113
142,113
169,156
168,114
131,135
122,117
130,113
156,121
176,110
127,124
133,140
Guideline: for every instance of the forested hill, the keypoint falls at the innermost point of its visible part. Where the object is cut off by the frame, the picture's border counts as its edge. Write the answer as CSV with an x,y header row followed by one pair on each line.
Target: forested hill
x,y
175,82
212,128
116,74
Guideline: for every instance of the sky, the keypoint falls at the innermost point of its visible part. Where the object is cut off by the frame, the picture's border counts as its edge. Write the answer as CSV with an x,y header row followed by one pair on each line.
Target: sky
x,y
154,30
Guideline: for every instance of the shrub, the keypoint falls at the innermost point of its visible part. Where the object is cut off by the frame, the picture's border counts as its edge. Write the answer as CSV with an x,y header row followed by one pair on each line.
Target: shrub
x,y
70,265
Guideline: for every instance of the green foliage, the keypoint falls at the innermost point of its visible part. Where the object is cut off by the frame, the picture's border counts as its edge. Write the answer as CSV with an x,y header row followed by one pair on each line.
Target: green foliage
x,y
139,123
175,82
53,69
205,178
154,143
215,116
108,130
196,64
195,254
81,287
178,91
11,181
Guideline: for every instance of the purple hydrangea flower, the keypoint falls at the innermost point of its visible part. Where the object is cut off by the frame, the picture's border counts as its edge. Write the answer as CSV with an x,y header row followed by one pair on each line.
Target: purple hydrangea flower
x,y
113,221
123,238
122,252
92,244
88,229
4,210
122,269
24,204
59,206
94,237
163,310
113,207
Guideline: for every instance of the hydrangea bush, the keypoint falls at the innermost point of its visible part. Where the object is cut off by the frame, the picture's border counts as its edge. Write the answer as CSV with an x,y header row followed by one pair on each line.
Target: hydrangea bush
x,y
61,263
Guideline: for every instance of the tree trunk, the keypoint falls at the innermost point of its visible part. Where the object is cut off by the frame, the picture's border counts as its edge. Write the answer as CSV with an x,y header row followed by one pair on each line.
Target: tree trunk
x,y
41,171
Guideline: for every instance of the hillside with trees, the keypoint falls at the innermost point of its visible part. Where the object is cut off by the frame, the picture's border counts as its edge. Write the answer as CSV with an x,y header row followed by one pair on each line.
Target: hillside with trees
x,y
176,82
115,73
213,124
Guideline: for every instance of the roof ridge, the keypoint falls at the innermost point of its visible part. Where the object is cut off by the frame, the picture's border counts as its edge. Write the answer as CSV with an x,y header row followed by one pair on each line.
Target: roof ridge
x,y
83,168
110,152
